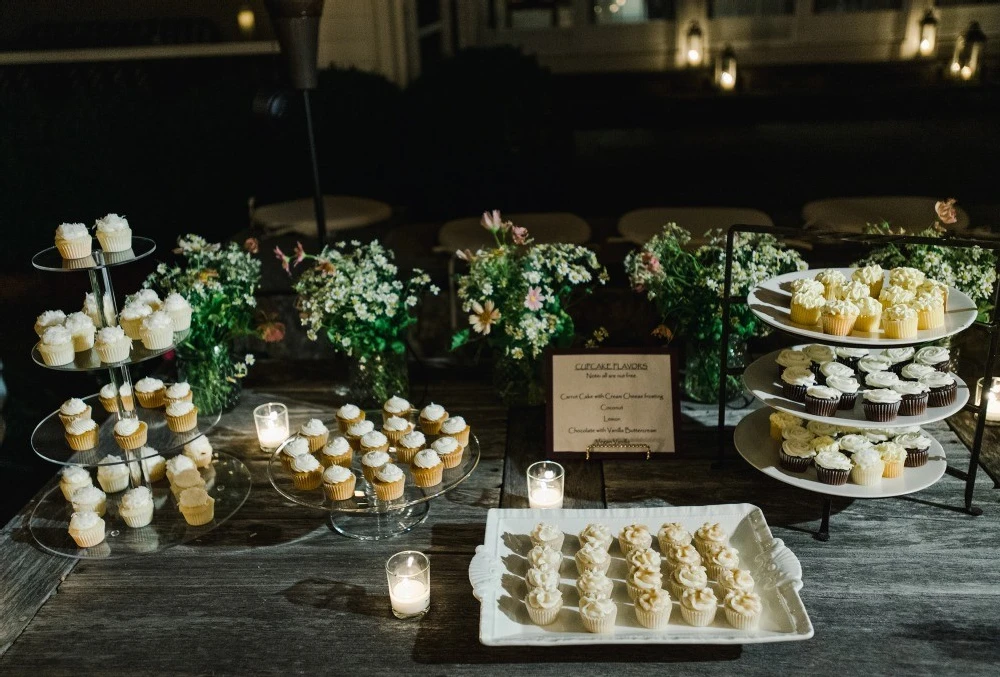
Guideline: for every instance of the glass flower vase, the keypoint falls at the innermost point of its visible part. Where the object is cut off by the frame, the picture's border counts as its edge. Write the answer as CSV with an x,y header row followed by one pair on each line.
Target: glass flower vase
x,y
519,383
374,379
213,376
702,370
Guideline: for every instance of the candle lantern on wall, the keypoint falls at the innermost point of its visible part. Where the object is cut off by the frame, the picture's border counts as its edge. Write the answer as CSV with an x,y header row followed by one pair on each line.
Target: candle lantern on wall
x,y
695,45
725,70
968,53
928,34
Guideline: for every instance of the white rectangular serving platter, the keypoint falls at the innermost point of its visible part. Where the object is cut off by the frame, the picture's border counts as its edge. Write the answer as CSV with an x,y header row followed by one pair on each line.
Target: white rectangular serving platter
x,y
498,567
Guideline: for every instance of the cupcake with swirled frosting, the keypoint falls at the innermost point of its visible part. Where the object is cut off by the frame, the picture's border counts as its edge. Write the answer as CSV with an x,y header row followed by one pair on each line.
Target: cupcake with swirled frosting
x,y
179,310
937,357
337,451
358,430
130,433
634,536
724,559
839,317
832,467
547,579
868,467
151,392
881,404
307,472
544,557
917,446
899,322
597,535
592,557
181,416
82,328
833,368
795,381
893,457
796,456
114,233
907,278
869,315
872,276
338,482
682,556
372,462
822,400
644,558
456,427
396,406
156,331
373,441
743,610
548,535
598,615
294,448
687,578
780,420
431,417
804,284
73,241
652,608
881,379
930,311
792,358
427,468
394,427
852,444
913,371
449,450
848,388
698,607
389,482
86,529
73,477
543,605
943,389
112,345
797,433
594,584
833,282
672,534
316,434
131,317
914,396
736,580
409,444
642,580
348,415
806,308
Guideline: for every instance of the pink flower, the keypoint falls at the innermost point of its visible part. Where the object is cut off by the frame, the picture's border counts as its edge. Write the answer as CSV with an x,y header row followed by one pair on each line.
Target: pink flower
x,y
492,221
519,234
251,245
300,253
639,288
533,301
465,255
651,262
272,332
946,212
280,255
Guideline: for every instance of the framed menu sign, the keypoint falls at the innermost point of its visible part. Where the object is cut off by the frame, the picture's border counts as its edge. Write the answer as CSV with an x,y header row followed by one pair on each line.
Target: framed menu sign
x,y
612,403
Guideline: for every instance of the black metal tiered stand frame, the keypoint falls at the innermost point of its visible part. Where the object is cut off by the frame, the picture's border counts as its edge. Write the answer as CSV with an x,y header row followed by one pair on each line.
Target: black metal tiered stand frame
x,y
990,327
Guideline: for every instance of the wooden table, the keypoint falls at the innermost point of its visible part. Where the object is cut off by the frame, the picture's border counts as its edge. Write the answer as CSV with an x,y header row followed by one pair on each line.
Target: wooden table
x,y
905,586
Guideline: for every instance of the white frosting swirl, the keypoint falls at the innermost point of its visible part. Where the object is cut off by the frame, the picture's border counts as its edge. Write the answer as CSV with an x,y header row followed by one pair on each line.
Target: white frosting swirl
x,y
594,584
726,558
915,370
841,308
683,555
819,353
199,445
432,412
701,599
136,498
937,379
645,579
737,580
653,600
543,598
296,447
395,424
881,379
644,558
592,554
798,376
305,463
396,405
375,459
112,223
544,557
798,449
793,358
867,458
891,452
71,231
744,603
797,433
338,446
446,445
831,276
691,577
894,295
108,391
636,535
453,425
854,443
126,427
913,441
674,532
882,396
361,428
909,278
148,385
390,472
426,458
910,387
711,532
900,312
823,393
348,412
872,363
178,390
544,531
829,369
805,285
596,609
546,579
313,427
413,440
854,291
181,408
843,384
824,443
336,474
807,299
897,355
374,439
597,535
819,428
832,460
848,352
931,355
73,406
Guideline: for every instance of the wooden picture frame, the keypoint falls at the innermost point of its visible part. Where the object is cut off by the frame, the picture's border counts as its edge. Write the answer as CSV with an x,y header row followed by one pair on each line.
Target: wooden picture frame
x,y
636,397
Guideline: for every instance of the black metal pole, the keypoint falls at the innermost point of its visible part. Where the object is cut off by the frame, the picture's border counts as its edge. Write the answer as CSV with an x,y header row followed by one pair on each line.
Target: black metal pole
x,y
824,526
317,191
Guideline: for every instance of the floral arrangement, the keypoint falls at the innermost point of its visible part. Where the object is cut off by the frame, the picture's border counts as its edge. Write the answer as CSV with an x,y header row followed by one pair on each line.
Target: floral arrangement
x,y
220,283
518,295
687,288
353,295
969,269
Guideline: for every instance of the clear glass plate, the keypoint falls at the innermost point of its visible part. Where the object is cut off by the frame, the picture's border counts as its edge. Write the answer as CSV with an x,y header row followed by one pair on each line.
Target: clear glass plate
x,y
88,360
227,481
51,260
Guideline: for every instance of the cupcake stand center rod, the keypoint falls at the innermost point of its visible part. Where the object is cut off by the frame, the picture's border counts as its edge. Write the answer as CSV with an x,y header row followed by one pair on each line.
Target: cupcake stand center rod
x,y
991,327
102,289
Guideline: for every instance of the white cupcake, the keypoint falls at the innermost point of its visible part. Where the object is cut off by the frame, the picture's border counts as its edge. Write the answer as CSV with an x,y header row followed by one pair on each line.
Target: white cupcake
x,y
56,346
546,534
598,615
86,528
543,605
136,507
113,233
83,330
50,318
131,317
90,310
112,345
156,331
178,464
112,474
199,450
179,310
90,498
73,477
73,241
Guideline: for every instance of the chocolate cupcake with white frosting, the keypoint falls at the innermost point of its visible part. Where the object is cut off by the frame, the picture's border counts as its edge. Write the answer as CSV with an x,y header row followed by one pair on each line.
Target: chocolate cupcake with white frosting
x,y
915,396
795,381
881,404
943,389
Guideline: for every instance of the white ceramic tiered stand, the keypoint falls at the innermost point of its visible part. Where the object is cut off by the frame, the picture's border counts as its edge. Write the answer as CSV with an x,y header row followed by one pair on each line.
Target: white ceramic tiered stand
x,y
227,478
770,302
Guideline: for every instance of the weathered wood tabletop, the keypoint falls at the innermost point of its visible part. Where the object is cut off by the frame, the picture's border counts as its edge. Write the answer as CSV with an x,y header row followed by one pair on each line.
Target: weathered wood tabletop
x,y
906,585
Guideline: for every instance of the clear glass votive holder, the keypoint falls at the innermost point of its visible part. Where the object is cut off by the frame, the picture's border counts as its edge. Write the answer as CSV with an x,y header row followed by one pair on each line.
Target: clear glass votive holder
x,y
992,394
409,577
271,420
546,485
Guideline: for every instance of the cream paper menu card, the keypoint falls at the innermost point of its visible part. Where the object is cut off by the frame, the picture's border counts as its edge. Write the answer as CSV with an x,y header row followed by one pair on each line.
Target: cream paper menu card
x,y
600,397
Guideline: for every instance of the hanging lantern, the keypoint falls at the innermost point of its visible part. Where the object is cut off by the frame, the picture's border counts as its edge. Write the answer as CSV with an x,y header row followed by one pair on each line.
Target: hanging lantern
x,y
968,52
695,45
247,21
725,70
928,33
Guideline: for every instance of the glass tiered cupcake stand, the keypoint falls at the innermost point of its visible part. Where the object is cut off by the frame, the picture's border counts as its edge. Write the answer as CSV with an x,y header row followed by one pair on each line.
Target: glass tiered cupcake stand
x,y
364,516
227,479
770,302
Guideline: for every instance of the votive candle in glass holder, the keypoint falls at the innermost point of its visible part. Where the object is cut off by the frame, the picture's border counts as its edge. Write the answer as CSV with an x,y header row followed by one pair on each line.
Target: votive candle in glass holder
x,y
409,576
271,420
545,485
992,395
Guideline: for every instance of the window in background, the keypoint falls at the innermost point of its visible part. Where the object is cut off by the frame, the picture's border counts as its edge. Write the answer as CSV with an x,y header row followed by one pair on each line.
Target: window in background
x,y
828,6
539,13
632,11
729,8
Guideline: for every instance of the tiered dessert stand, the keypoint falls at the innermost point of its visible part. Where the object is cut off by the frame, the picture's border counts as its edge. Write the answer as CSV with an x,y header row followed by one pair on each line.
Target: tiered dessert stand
x,y
364,516
770,302
227,478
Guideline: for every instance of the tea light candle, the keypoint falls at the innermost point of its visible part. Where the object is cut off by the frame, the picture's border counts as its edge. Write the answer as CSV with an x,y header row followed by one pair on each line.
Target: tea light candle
x,y
545,485
409,577
992,400
271,420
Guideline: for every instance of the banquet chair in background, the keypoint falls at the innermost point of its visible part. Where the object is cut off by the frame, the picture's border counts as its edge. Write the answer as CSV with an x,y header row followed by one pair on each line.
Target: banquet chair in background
x,y
298,217
639,225
467,233
851,214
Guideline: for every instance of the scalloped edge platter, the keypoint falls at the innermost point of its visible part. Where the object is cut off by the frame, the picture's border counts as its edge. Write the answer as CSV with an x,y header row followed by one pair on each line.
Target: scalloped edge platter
x,y
497,569
771,301
754,442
